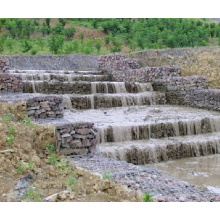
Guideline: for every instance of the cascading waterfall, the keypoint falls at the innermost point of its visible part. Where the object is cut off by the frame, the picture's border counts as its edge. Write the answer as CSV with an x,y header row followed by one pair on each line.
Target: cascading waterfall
x,y
67,104
93,87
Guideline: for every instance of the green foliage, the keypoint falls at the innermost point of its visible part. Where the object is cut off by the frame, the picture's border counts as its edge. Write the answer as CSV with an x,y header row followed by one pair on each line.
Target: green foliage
x,y
45,29
98,44
71,181
33,195
40,42
62,21
56,43
117,45
63,166
28,122
69,32
22,167
10,135
9,44
47,21
147,198
88,47
26,45
2,42
52,159
50,147
33,51
18,35
82,36
106,175
7,119
58,29
75,46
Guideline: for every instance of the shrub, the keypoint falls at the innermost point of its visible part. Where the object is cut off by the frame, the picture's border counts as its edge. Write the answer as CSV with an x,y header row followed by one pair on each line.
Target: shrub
x,y
58,29
33,195
26,46
40,42
98,44
147,197
2,41
107,175
34,51
47,21
56,43
69,32
62,21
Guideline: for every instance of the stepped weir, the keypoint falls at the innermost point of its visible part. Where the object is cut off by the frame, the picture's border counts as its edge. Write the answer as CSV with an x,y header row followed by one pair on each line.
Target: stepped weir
x,y
122,111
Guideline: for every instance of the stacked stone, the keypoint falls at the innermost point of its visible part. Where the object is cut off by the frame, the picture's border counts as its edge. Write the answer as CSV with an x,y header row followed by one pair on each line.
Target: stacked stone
x,y
10,83
117,61
45,107
57,87
187,82
76,138
179,89
205,98
4,66
146,74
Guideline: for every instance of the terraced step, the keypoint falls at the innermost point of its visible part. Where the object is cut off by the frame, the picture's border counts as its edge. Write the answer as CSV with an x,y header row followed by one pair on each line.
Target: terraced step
x,y
61,77
144,122
158,150
83,87
93,72
96,101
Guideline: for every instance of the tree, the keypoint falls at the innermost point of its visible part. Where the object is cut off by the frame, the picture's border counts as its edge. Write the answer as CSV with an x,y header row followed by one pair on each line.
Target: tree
x,y
69,32
40,42
75,46
107,41
25,45
56,43
82,36
9,44
58,29
2,41
62,21
117,45
98,44
47,21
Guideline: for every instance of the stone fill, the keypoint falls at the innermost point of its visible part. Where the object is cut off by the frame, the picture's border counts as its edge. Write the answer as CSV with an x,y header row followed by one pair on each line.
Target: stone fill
x,y
123,111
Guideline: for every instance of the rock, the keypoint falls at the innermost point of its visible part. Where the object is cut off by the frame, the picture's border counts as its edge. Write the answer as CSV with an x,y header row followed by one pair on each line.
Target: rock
x,y
104,185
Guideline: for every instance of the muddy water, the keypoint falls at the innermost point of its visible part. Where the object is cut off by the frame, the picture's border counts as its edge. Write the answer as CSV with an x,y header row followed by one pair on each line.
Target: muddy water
x,y
197,170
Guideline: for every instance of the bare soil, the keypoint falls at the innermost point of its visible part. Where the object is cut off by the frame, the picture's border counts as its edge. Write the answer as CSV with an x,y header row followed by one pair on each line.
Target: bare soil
x,y
29,149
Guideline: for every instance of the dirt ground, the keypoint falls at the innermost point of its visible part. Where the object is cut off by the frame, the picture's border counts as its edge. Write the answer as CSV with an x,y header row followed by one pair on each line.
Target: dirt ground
x,y
31,171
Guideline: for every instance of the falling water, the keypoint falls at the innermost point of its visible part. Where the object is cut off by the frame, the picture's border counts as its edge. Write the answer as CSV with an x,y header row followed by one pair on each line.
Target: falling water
x,y
67,104
33,86
93,87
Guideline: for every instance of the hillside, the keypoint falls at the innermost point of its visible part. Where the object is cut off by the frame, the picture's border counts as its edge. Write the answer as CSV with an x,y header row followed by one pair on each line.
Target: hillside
x,y
102,36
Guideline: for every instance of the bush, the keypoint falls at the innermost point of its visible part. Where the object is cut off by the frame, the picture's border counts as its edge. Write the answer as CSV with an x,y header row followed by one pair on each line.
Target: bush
x,y
2,41
69,32
98,44
58,29
33,51
56,43
62,21
26,46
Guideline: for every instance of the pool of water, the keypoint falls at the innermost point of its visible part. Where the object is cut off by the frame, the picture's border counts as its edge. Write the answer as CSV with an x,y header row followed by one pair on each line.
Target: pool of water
x,y
197,170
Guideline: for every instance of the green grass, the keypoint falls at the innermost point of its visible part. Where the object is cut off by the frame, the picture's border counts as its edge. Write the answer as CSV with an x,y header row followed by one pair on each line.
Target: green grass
x,y
33,195
106,175
71,181
147,197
